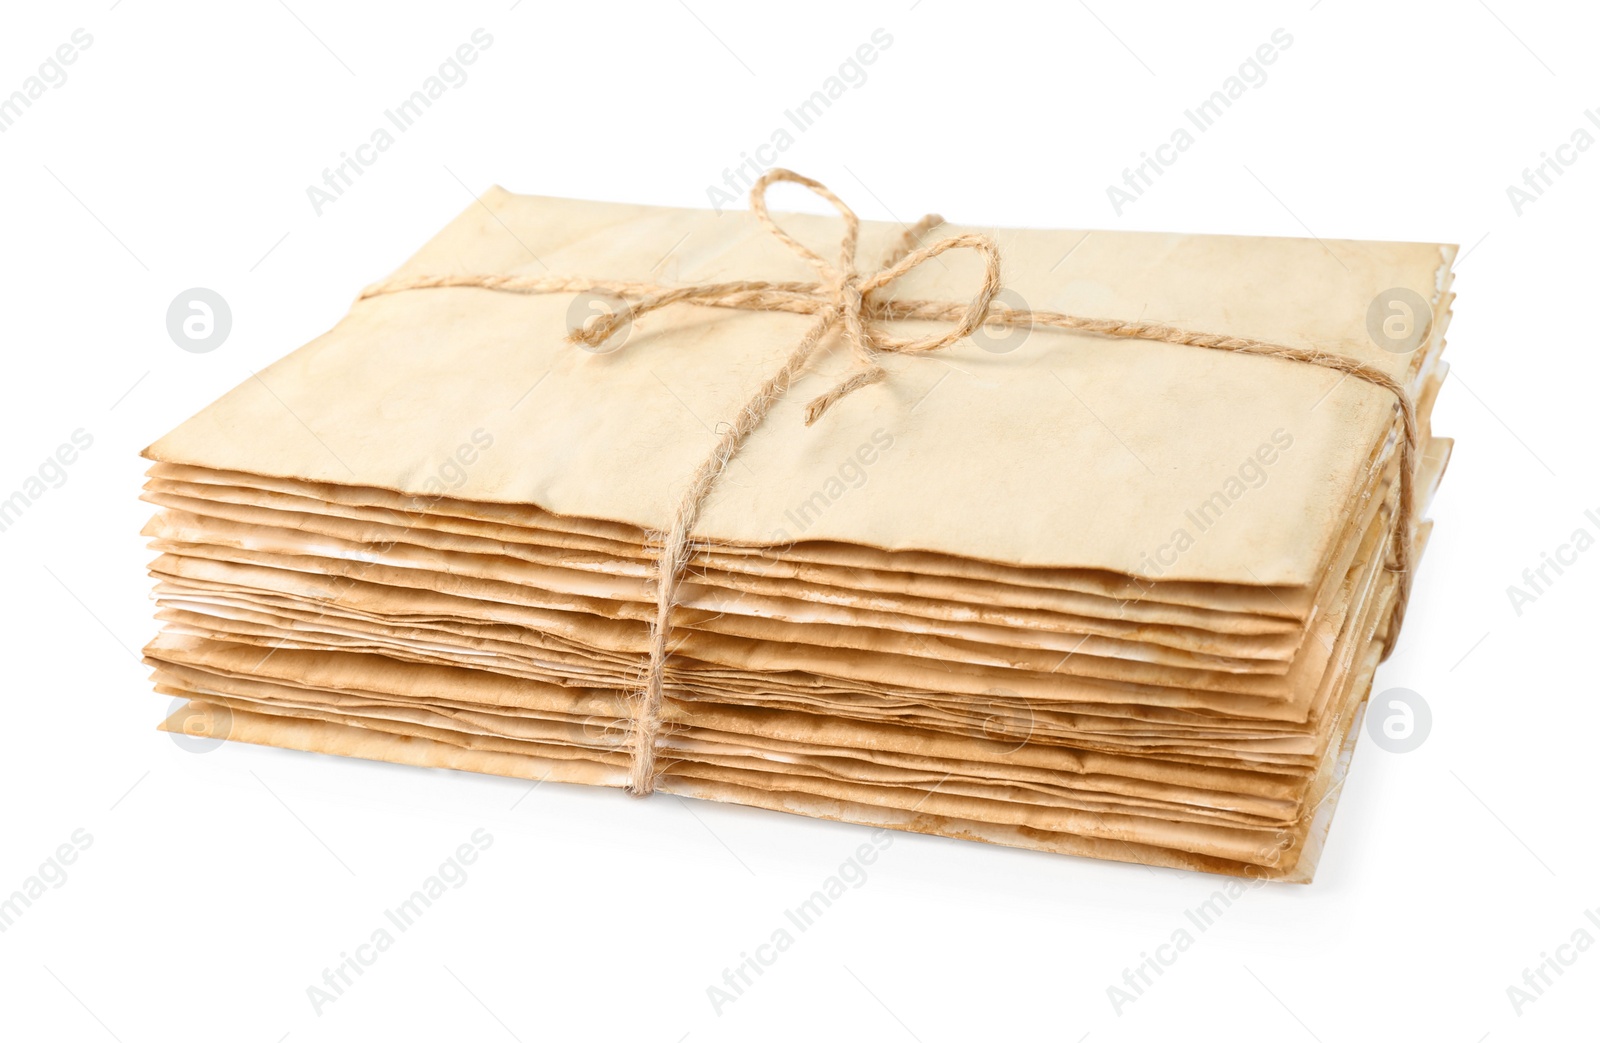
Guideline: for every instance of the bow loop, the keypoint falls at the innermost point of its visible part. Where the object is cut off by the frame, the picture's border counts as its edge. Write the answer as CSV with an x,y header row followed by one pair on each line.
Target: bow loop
x,y
847,242
977,311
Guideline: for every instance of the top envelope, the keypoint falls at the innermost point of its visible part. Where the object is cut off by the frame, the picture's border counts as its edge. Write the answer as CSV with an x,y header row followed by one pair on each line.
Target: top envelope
x,y
1037,449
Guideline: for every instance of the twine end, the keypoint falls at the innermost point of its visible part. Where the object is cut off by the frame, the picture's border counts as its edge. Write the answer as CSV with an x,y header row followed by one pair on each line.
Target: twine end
x,y
823,402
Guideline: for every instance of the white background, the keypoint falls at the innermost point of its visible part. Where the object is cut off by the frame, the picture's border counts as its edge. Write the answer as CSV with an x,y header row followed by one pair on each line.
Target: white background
x,y
219,886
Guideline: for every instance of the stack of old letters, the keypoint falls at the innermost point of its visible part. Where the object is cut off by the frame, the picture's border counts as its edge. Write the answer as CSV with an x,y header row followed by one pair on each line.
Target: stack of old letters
x,y
1045,587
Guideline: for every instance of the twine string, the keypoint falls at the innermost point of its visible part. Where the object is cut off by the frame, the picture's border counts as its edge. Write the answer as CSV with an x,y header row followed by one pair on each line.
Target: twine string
x,y
844,299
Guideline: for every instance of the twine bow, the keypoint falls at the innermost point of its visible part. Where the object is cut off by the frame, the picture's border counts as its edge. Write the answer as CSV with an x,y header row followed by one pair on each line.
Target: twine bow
x,y
848,301
843,298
